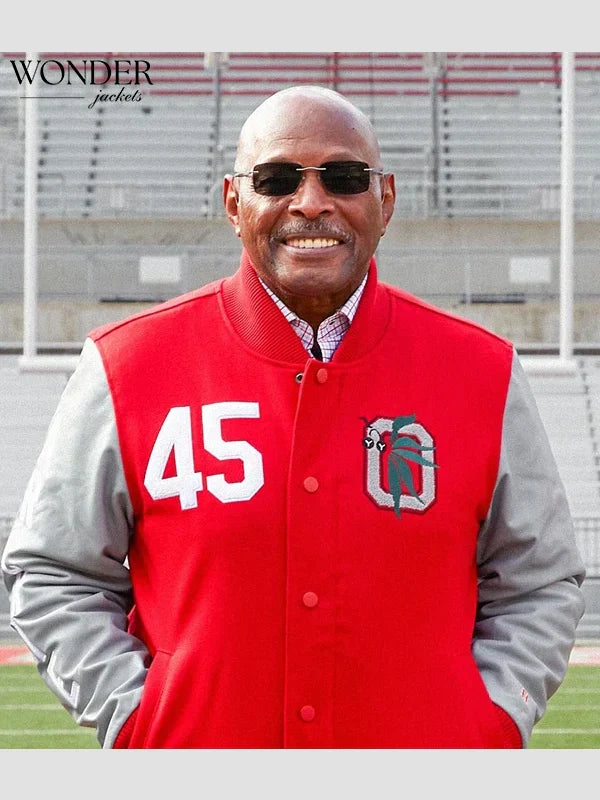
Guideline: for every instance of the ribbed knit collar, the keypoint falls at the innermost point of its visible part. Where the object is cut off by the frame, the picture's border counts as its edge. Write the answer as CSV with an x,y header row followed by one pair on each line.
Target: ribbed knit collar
x,y
260,324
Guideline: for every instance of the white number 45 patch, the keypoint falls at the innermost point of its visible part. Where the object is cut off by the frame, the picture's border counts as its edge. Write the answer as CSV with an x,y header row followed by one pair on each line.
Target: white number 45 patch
x,y
175,436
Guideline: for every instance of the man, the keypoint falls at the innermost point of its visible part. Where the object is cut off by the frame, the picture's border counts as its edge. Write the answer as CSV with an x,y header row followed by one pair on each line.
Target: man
x,y
341,517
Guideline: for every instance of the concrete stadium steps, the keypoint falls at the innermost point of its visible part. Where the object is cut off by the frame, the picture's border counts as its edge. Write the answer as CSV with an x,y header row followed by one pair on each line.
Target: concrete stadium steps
x,y
149,158
563,403
497,140
27,403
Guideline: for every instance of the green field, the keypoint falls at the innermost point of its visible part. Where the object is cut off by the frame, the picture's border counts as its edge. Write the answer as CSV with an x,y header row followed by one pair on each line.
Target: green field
x,y
32,718
572,720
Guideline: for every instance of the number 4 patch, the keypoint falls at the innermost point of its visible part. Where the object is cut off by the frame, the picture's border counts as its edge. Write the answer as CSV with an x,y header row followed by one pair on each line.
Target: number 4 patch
x,y
175,436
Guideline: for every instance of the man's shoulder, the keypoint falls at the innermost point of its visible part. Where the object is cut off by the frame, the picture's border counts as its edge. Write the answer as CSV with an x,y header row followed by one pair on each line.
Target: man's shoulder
x,y
442,321
169,311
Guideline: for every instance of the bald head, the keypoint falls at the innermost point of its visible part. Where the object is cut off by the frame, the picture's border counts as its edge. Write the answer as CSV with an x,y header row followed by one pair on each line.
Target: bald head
x,y
311,244
294,113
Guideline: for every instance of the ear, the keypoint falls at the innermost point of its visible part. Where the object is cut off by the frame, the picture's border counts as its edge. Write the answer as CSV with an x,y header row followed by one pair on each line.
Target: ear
x,y
388,198
230,202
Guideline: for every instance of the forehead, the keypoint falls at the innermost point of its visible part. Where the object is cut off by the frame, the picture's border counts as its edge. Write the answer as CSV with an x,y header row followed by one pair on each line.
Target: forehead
x,y
309,133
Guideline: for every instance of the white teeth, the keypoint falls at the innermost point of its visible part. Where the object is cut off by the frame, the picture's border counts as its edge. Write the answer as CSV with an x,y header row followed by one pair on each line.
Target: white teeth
x,y
316,243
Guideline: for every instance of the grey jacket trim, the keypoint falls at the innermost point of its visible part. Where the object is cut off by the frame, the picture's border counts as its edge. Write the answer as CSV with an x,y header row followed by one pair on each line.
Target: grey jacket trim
x,y
530,570
64,563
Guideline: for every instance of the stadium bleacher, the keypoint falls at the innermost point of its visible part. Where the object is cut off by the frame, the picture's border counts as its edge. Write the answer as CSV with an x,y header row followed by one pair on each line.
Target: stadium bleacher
x,y
467,134
472,138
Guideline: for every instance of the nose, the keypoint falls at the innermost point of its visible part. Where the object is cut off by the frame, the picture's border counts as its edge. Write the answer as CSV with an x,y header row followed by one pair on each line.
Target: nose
x,y
311,199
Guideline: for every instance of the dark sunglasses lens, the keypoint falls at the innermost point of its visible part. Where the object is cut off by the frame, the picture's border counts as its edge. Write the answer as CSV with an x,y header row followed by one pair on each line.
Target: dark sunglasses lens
x,y
276,180
346,177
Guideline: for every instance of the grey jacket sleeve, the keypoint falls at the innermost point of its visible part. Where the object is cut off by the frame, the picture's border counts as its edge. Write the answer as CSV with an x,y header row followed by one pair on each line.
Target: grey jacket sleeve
x,y
530,571
65,561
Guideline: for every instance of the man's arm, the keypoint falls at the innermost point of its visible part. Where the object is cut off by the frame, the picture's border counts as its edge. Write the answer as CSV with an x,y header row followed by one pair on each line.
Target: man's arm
x,y
63,564
530,571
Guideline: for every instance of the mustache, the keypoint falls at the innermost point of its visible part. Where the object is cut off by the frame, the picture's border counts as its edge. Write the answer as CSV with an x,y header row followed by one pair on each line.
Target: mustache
x,y
319,229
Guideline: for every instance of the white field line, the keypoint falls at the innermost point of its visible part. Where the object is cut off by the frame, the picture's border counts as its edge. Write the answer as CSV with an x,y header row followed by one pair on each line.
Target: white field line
x,y
557,708
568,731
25,689
32,707
45,732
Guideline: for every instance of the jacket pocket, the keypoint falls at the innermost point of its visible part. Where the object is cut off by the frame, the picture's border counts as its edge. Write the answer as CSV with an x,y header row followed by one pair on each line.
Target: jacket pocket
x,y
475,721
151,696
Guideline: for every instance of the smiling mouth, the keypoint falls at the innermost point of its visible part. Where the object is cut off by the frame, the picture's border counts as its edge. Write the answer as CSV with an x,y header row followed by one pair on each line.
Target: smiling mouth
x,y
315,244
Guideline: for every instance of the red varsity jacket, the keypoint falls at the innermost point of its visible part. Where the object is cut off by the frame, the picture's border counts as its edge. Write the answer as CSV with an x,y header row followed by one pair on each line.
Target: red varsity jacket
x,y
304,555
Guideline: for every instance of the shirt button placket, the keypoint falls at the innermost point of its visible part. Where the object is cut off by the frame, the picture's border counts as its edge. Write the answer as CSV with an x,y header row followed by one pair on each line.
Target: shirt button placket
x,y
310,599
311,551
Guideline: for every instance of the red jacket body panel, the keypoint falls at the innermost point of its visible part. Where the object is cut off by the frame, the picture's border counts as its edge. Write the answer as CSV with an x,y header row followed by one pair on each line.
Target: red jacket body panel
x,y
289,594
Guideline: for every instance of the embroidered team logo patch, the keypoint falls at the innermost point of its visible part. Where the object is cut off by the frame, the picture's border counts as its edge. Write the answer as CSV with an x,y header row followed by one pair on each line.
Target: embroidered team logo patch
x,y
398,474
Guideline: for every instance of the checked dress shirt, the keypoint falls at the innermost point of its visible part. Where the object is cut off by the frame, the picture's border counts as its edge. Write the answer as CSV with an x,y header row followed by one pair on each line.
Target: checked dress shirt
x,y
331,331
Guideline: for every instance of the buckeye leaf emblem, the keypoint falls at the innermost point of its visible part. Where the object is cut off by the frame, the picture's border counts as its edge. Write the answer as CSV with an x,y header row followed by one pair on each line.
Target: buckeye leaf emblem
x,y
404,449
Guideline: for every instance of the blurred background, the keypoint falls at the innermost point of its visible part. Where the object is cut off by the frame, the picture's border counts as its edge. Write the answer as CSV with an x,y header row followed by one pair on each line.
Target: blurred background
x,y
128,213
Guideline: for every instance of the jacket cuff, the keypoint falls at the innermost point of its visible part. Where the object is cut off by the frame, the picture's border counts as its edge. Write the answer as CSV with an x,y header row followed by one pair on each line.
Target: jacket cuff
x,y
512,735
124,735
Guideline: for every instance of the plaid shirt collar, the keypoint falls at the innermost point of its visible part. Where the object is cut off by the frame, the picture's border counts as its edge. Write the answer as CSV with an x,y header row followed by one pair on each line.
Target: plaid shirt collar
x,y
331,331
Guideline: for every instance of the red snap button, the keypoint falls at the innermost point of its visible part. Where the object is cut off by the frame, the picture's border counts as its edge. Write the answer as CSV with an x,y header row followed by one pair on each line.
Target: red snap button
x,y
310,599
321,375
307,713
311,484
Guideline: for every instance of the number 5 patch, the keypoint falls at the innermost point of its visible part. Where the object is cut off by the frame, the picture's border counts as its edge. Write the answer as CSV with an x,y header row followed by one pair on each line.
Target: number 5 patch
x,y
175,436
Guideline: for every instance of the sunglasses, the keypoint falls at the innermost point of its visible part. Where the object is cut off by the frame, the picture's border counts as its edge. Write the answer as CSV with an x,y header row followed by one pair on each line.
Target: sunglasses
x,y
276,179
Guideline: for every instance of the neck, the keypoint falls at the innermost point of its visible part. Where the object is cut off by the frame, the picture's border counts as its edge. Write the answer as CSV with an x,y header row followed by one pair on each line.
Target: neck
x,y
261,325
313,310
